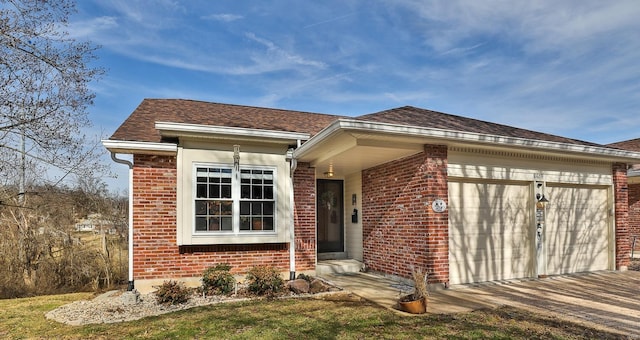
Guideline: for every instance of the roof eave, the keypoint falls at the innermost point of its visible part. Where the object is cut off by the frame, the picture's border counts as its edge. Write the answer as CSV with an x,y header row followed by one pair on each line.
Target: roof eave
x,y
135,147
461,137
170,129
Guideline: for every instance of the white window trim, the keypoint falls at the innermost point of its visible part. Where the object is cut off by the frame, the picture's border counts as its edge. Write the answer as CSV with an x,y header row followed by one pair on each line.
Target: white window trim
x,y
235,197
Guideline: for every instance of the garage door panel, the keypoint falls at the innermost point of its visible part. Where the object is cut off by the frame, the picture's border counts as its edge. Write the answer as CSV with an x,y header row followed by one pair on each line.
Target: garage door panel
x,y
577,229
481,270
490,234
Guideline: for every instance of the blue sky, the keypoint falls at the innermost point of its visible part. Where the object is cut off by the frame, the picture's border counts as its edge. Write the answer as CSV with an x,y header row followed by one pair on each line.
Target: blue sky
x,y
564,67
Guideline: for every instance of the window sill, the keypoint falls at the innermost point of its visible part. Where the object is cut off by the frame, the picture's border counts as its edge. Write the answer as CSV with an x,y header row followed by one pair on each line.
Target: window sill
x,y
232,238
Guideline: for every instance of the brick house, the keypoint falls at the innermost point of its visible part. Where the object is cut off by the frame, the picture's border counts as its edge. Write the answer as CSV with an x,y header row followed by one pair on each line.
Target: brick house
x,y
633,175
467,200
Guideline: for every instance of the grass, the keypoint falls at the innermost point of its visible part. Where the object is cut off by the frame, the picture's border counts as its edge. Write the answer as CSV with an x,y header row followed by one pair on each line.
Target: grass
x,y
289,319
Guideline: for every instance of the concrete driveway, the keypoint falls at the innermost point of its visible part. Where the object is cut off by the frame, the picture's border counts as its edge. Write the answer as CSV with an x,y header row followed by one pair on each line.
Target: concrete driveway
x,y
606,300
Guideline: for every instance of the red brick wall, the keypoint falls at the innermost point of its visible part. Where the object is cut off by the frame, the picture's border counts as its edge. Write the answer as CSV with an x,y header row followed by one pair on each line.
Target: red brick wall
x,y
156,255
634,214
304,183
623,232
400,230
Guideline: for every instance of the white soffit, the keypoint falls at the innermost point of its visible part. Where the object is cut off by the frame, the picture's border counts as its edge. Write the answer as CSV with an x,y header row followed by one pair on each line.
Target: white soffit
x,y
169,129
423,135
118,146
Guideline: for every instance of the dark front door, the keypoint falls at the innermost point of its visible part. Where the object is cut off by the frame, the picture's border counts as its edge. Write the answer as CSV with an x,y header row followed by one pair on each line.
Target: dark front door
x,y
330,216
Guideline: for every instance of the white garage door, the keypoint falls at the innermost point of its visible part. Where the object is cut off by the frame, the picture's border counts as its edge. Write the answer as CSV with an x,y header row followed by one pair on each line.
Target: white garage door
x,y
577,232
490,231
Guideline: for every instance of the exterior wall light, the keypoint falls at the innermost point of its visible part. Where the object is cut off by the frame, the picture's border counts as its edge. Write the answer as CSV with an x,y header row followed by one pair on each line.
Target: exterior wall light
x,y
329,173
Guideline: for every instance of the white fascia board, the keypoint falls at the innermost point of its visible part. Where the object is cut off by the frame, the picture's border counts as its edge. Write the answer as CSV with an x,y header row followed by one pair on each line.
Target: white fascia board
x,y
465,137
131,147
181,129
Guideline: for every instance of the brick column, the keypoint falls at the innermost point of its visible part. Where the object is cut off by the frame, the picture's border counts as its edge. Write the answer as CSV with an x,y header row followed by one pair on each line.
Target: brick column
x,y
622,231
304,192
154,215
438,227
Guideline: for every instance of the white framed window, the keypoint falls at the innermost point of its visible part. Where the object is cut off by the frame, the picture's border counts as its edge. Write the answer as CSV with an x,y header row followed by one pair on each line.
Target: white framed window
x,y
231,201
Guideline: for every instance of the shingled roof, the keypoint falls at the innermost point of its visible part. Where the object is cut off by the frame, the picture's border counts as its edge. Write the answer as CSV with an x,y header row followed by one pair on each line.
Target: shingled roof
x,y
631,145
140,126
409,115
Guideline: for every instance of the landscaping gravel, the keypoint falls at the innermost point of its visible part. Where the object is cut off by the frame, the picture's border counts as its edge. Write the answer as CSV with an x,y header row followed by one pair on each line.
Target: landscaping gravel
x,y
119,306
115,306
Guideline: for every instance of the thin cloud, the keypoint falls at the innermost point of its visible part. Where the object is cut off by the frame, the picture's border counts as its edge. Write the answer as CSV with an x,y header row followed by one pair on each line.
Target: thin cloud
x,y
282,56
223,17
92,27
329,20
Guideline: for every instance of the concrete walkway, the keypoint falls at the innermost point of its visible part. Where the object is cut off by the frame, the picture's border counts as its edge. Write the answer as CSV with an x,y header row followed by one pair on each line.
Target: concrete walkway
x,y
606,300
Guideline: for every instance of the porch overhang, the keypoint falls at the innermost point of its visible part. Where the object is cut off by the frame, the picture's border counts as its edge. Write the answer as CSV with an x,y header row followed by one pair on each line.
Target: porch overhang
x,y
348,145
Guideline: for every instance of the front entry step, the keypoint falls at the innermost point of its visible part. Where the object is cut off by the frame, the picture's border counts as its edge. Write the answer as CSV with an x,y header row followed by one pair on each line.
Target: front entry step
x,y
338,255
338,266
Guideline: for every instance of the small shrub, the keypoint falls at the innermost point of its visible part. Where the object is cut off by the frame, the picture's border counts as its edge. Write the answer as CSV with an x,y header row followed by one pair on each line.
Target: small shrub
x,y
218,280
172,293
263,280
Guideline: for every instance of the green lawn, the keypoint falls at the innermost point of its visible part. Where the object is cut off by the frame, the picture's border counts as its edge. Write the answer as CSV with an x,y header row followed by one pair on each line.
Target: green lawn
x,y
288,319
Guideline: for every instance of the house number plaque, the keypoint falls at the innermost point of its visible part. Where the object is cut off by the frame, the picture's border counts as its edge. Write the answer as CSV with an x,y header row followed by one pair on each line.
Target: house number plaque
x,y
439,205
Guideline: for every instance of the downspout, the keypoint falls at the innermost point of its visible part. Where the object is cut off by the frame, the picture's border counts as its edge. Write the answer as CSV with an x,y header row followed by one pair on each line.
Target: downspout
x,y
130,165
292,234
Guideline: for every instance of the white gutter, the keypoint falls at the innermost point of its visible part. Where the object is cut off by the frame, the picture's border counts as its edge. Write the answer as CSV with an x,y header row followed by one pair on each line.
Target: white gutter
x,y
464,137
180,129
130,253
119,146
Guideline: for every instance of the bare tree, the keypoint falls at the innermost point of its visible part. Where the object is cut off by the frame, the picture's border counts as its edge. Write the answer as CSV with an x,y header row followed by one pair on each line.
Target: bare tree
x,y
44,96
44,93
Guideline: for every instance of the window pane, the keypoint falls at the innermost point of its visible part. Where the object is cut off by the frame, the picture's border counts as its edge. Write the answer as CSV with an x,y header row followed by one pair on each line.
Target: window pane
x,y
214,208
256,192
245,191
268,192
226,191
214,223
267,223
257,223
201,224
268,177
201,191
245,223
226,208
245,208
214,191
226,223
267,208
201,207
256,208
